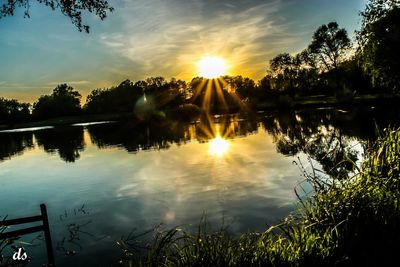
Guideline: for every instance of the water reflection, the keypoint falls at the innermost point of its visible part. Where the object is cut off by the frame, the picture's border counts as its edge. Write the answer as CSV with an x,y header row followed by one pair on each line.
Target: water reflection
x,y
14,144
218,146
316,137
326,135
66,141
332,137
250,185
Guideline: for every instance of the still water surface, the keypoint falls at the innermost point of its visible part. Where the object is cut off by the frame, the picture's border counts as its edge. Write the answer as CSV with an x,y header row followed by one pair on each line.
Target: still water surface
x,y
102,181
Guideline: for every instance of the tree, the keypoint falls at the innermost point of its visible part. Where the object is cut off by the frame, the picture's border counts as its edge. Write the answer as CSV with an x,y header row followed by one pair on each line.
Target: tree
x,y
286,69
125,96
115,99
12,111
315,69
379,40
70,8
307,59
244,87
63,101
330,44
282,63
376,10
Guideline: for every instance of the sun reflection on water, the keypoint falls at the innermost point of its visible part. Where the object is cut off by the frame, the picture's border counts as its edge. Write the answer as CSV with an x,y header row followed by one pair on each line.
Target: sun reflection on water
x,y
218,146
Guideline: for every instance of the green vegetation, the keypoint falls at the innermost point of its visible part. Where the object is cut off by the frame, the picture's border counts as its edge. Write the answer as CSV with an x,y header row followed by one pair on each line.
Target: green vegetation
x,y
379,39
353,222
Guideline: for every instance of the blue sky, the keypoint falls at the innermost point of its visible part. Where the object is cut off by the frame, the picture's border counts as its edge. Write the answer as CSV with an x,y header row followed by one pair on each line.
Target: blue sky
x,y
143,38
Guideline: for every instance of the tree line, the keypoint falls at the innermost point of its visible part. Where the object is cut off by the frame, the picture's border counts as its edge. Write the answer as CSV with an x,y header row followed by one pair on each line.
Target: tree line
x,y
331,65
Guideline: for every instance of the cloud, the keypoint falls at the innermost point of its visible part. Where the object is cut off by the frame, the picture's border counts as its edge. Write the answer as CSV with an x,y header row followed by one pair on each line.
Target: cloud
x,y
169,39
83,82
20,86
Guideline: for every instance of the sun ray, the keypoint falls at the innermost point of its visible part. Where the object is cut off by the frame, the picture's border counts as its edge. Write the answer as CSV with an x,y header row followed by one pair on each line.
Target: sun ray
x,y
220,94
199,89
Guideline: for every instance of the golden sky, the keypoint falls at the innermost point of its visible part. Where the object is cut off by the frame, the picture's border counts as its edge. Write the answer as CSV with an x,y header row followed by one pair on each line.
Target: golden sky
x,y
166,38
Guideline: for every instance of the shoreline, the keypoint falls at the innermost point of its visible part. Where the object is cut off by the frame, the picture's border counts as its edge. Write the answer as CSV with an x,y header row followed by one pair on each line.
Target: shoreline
x,y
293,103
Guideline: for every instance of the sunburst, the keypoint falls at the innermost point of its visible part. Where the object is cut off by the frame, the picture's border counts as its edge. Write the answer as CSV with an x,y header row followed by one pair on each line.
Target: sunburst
x,y
211,67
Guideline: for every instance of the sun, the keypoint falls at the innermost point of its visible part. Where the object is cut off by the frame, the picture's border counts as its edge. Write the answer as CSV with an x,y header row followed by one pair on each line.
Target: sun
x,y
218,146
212,67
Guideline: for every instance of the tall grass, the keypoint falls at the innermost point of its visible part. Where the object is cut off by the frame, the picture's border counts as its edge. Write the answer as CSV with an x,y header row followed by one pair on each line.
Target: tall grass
x,y
354,222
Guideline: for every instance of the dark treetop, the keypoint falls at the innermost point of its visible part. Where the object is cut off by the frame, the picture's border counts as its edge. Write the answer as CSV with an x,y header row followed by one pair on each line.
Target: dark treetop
x,y
70,8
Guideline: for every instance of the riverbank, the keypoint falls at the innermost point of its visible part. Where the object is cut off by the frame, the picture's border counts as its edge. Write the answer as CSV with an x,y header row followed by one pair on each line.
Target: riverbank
x,y
354,222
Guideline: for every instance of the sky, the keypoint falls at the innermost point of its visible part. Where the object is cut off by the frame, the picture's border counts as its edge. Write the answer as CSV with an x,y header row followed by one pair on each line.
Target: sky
x,y
144,38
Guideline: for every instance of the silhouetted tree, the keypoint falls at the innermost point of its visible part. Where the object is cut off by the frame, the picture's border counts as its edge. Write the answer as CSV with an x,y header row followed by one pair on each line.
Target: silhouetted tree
x,y
124,98
70,8
330,44
166,95
314,70
244,87
283,63
115,99
12,111
285,71
62,102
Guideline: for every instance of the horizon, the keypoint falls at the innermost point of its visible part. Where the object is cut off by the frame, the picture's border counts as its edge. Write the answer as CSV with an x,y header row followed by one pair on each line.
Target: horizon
x,y
153,38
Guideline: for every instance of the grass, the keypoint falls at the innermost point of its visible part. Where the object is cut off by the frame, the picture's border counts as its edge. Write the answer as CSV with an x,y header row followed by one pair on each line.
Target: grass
x,y
354,222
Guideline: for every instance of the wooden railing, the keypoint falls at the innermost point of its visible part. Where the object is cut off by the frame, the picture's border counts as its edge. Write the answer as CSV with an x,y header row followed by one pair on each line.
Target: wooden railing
x,y
44,227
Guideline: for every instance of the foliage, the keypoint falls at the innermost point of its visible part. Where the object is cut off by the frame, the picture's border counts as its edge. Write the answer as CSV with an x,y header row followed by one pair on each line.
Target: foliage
x,y
62,102
116,99
283,63
329,44
315,69
126,96
351,222
379,39
244,87
12,111
70,8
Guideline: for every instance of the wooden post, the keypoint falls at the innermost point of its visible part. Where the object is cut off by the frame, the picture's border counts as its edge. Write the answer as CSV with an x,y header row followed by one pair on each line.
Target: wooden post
x,y
49,246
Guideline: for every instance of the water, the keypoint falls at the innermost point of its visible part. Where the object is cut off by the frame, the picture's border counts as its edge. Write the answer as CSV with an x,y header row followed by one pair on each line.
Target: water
x,y
101,181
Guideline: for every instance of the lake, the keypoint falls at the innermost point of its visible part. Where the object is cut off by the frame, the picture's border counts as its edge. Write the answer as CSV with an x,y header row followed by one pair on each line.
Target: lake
x,y
101,181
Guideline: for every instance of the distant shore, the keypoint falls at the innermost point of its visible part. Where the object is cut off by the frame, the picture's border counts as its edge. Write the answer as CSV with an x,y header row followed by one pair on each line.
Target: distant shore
x,y
287,103
324,101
